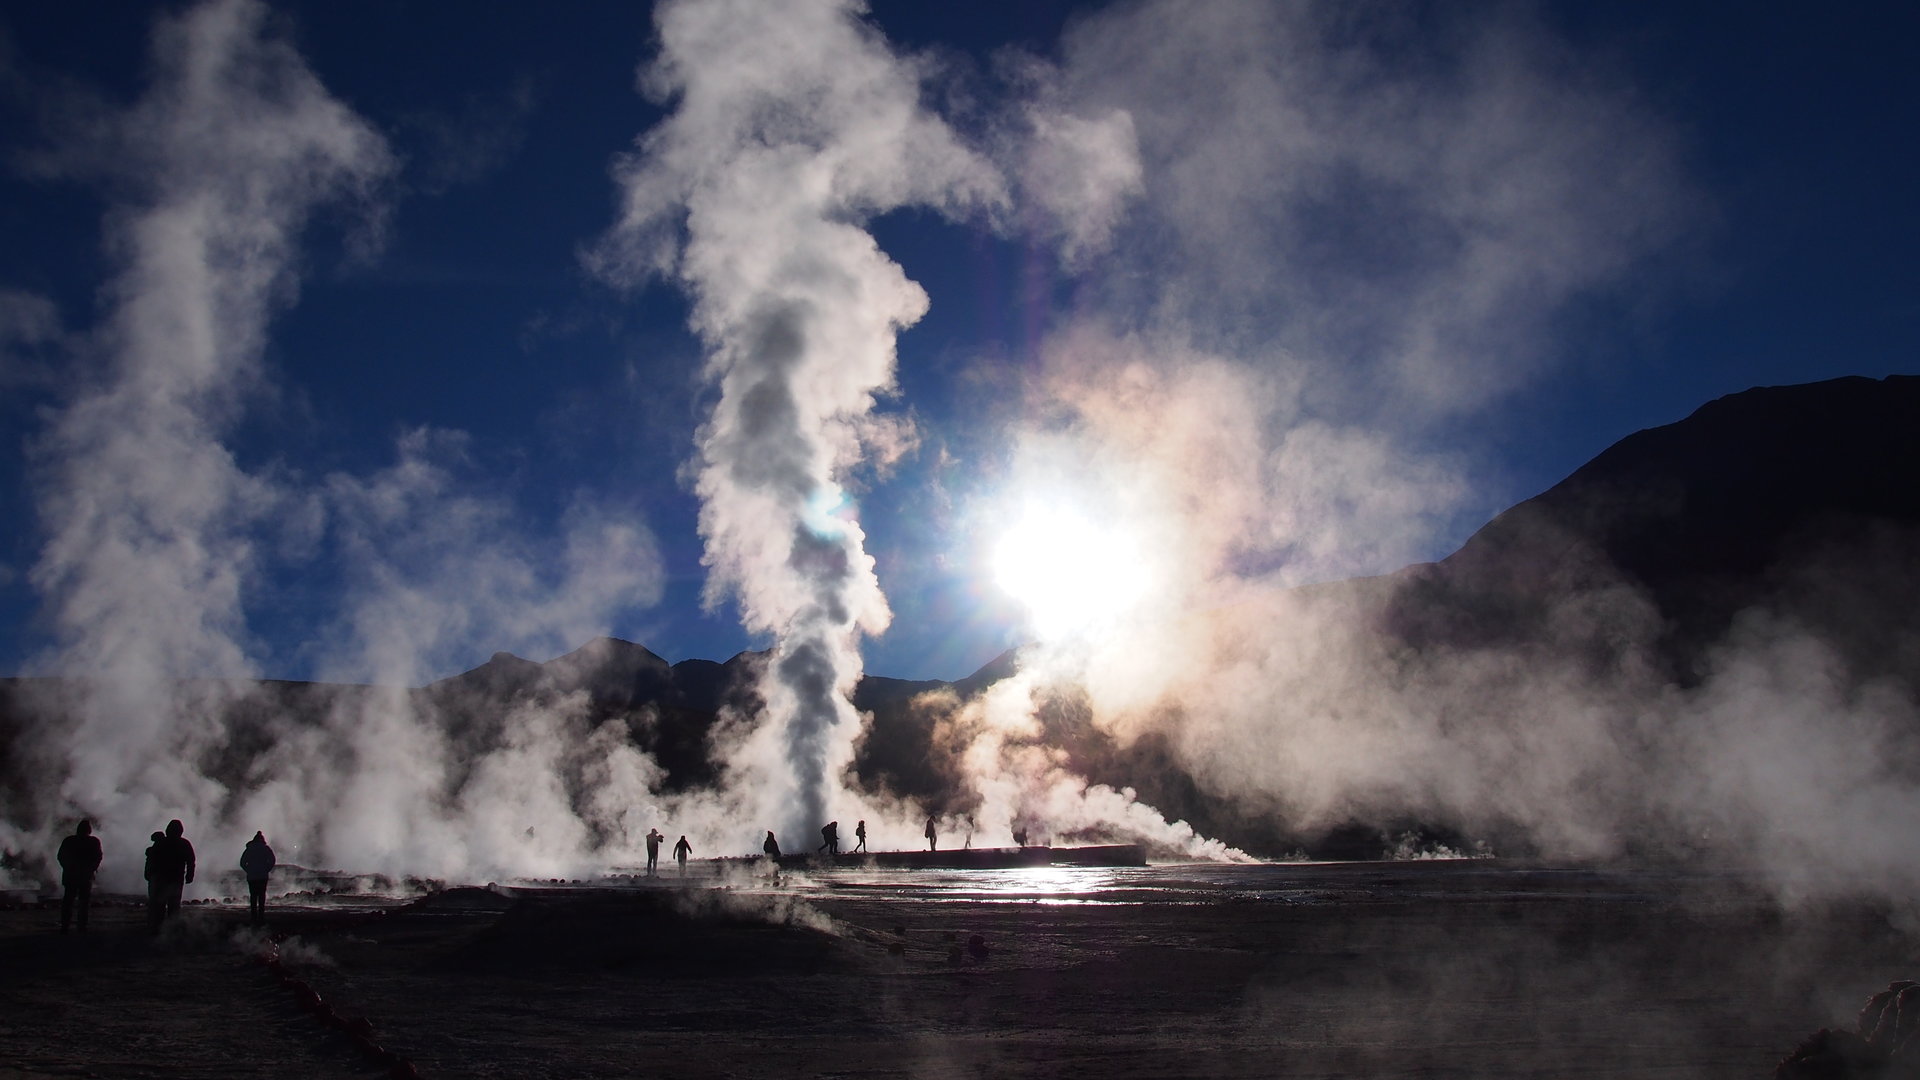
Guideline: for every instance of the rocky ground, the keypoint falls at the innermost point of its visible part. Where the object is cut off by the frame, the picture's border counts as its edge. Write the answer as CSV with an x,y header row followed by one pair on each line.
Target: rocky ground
x,y
1415,975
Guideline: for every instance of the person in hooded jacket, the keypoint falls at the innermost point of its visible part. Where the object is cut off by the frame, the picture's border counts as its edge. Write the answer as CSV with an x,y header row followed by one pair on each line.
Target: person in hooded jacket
x,y
170,868
256,861
79,858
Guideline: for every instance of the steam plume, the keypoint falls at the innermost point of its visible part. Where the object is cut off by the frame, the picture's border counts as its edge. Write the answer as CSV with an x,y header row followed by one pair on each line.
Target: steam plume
x,y
219,166
157,535
1372,236
792,123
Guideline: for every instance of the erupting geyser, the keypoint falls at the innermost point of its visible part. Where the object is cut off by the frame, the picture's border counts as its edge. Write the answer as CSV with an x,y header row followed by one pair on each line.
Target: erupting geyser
x,y
793,123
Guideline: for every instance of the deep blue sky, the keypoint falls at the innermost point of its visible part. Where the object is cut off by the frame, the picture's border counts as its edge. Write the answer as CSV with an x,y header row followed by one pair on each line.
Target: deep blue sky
x,y
1792,260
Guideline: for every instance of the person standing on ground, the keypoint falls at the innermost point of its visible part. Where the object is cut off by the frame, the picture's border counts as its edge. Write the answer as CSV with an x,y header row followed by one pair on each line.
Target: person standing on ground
x,y
771,847
860,835
830,838
153,883
653,850
256,860
170,868
680,852
79,857
932,844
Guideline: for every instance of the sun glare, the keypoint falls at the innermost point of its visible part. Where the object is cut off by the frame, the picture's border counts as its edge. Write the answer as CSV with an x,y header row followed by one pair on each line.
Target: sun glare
x,y
1069,572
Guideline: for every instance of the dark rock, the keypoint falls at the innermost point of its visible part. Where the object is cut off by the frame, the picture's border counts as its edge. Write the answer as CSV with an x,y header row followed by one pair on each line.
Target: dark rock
x,y
1884,1045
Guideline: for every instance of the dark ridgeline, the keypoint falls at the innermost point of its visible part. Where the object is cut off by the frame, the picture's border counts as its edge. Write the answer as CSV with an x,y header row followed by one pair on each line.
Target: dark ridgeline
x,y
1805,499
1802,500
668,708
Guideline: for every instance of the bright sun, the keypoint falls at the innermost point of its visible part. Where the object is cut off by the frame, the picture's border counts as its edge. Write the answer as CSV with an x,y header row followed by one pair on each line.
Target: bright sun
x,y
1070,573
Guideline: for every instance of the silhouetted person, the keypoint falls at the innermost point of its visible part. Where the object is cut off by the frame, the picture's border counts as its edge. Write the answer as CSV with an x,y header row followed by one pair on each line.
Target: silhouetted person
x,y
860,835
830,838
79,857
153,883
1020,836
170,869
932,844
256,861
771,847
653,850
680,852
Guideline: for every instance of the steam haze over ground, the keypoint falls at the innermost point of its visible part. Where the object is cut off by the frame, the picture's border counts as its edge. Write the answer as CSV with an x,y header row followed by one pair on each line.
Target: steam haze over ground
x,y
352,345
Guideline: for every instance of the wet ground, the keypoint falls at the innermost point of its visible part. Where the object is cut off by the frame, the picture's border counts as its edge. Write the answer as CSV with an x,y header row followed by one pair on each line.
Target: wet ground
x,y
1436,969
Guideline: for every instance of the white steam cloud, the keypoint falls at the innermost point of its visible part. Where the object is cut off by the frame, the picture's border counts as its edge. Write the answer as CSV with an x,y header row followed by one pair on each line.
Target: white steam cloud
x,y
147,513
1400,201
157,536
1303,236
1353,223
792,124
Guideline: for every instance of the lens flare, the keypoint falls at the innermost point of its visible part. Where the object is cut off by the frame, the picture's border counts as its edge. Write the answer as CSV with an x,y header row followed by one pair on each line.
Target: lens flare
x,y
1071,572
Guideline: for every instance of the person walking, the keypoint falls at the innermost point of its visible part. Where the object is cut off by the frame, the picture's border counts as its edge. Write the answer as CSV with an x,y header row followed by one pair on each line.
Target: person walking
x,y
680,852
653,850
256,861
830,838
860,835
79,857
170,870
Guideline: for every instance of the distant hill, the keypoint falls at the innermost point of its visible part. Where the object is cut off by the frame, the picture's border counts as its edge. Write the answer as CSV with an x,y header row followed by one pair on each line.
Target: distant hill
x,y
1803,501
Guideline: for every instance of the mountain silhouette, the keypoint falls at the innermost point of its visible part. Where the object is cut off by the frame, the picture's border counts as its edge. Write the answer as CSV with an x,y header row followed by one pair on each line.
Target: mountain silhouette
x,y
1804,499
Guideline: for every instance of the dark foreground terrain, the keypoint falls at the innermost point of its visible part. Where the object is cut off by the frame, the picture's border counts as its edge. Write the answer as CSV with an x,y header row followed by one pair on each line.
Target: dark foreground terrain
x,y
1364,970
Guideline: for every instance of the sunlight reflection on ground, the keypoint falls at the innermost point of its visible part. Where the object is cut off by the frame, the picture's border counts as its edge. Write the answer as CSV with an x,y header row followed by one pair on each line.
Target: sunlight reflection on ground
x,y
1289,884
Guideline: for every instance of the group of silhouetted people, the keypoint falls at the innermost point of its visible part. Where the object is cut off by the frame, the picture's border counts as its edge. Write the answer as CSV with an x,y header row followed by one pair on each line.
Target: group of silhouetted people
x,y
170,865
829,839
681,850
